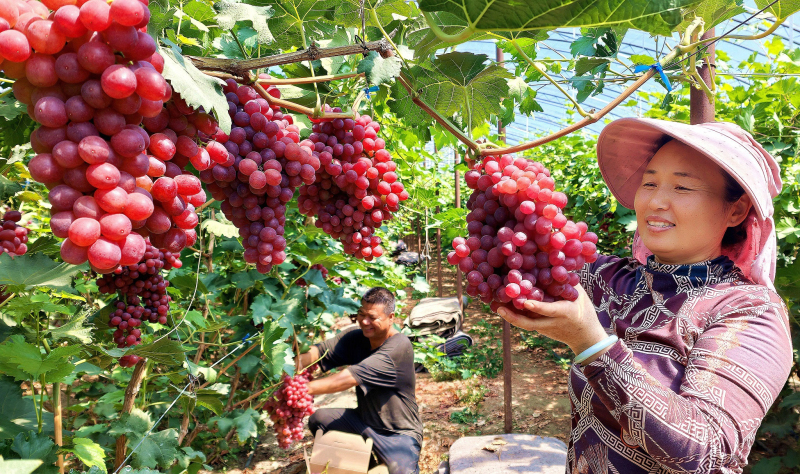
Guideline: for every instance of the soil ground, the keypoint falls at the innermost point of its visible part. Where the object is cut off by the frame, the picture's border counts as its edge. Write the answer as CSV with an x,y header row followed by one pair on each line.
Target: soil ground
x,y
540,403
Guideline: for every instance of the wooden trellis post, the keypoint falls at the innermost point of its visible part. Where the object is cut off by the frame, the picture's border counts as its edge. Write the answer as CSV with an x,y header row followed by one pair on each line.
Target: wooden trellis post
x,y
701,107
508,416
459,281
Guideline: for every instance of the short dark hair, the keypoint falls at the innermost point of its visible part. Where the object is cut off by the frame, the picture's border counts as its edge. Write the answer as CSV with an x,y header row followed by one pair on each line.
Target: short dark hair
x,y
379,295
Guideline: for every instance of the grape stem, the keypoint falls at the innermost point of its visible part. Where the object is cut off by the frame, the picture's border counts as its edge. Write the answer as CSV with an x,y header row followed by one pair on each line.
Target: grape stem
x,y
443,121
308,80
544,74
374,16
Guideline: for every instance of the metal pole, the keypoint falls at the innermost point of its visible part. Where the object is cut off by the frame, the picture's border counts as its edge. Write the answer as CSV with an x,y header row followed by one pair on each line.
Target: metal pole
x,y
439,254
459,281
508,417
701,109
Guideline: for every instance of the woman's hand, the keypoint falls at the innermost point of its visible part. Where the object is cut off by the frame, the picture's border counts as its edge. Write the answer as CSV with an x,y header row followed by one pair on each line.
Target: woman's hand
x,y
574,323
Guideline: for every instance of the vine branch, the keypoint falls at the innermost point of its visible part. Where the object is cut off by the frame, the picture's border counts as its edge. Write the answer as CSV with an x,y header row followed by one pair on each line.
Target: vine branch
x,y
238,67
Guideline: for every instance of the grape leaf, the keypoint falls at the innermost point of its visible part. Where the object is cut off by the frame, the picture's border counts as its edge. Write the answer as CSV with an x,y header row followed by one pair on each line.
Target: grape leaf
x,y
8,188
196,88
74,330
379,70
220,229
25,361
424,42
713,12
348,12
157,450
17,414
279,360
28,271
652,16
232,12
247,425
403,106
782,9
461,83
89,453
270,334
164,351
19,466
296,21
11,108
33,445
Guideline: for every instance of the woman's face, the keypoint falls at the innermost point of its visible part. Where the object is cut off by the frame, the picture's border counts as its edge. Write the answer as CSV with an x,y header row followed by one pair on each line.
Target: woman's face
x,y
681,213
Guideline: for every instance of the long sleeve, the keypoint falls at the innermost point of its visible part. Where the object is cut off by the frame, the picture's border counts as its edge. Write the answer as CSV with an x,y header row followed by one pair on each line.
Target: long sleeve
x,y
734,370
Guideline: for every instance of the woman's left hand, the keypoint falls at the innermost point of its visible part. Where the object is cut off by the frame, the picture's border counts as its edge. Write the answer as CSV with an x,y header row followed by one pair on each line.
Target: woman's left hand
x,y
574,323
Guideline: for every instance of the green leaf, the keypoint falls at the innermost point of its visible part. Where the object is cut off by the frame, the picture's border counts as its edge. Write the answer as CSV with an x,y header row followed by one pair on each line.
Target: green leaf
x,y
460,83
163,351
584,65
652,16
278,360
29,271
292,18
270,334
379,70
33,445
25,361
529,104
8,188
19,466
245,280
231,13
11,109
220,229
157,450
342,37
73,330
767,466
642,59
89,453
17,414
196,88
420,284
782,9
246,425
713,12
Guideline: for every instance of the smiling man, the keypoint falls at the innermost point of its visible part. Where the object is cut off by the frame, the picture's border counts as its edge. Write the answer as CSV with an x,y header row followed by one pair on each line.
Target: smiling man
x,y
381,364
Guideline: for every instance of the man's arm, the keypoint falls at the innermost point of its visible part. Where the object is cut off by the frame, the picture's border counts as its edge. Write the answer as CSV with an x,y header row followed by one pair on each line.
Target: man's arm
x,y
308,358
332,384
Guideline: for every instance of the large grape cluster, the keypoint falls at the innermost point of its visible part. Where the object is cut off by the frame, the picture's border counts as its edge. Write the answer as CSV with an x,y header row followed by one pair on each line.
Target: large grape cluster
x,y
520,244
143,297
289,406
90,74
356,187
13,237
256,171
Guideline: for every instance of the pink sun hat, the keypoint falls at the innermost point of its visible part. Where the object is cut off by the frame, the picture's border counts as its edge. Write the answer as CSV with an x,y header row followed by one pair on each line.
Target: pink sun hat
x,y
625,147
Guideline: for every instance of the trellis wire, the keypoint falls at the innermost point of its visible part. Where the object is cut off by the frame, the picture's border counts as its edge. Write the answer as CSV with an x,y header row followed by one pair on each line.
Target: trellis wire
x,y
180,394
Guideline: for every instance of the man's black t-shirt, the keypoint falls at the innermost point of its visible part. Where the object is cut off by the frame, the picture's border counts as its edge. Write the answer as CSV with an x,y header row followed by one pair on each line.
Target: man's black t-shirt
x,y
385,376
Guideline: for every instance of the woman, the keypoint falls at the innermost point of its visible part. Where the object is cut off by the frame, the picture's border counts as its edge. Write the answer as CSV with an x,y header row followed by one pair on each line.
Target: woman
x,y
682,349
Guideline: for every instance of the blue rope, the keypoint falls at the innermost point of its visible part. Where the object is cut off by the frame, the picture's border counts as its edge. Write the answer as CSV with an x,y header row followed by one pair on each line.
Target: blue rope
x,y
659,69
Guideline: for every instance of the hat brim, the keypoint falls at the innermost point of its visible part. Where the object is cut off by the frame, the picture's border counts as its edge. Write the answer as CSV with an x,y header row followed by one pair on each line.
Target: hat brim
x,y
626,145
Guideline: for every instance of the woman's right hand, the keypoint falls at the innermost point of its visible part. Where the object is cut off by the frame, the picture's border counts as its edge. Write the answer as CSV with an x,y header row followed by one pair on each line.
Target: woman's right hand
x,y
574,323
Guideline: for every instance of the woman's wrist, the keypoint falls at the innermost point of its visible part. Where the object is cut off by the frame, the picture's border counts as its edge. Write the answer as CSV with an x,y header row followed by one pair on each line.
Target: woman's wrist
x,y
591,338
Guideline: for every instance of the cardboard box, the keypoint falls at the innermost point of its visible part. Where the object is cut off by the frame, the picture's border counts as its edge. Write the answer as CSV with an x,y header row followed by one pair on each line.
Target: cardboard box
x,y
342,453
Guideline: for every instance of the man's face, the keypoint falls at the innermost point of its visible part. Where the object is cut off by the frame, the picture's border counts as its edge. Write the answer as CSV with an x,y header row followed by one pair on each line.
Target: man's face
x,y
373,319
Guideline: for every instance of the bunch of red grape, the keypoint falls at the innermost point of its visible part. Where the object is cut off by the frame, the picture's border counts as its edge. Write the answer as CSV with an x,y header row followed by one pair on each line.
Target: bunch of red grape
x,y
289,406
13,237
90,74
143,297
356,188
520,245
256,171
316,266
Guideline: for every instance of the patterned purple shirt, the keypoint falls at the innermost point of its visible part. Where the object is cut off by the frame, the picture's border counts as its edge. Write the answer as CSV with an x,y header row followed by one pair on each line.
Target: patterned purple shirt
x,y
703,353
